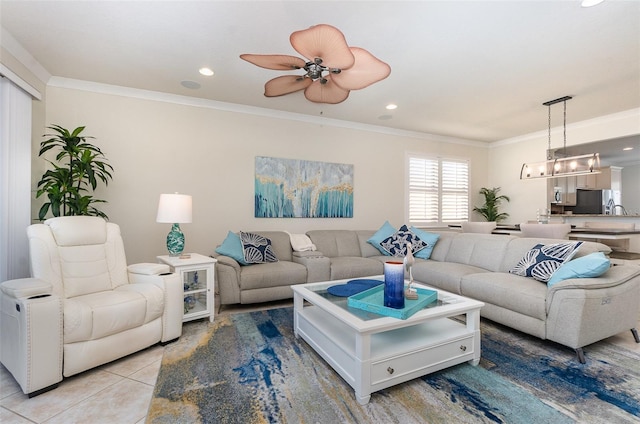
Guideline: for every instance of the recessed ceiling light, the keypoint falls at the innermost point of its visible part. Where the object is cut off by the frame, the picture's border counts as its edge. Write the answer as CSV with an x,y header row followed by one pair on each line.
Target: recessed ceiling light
x,y
391,106
628,148
590,3
190,84
206,72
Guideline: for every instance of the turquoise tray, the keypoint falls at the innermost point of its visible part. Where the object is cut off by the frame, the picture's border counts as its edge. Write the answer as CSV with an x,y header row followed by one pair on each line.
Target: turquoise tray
x,y
372,300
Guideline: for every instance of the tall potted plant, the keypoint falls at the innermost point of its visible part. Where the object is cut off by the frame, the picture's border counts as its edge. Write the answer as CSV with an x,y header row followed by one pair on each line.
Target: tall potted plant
x,y
78,167
491,204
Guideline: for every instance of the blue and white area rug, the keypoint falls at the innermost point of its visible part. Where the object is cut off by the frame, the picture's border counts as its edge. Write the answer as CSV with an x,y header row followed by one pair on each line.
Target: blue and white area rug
x,y
250,368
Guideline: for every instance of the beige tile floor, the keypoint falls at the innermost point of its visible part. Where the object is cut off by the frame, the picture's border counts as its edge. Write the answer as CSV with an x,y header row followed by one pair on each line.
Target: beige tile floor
x,y
118,392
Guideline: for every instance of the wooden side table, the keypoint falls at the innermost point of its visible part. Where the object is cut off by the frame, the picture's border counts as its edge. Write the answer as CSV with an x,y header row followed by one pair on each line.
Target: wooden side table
x,y
198,281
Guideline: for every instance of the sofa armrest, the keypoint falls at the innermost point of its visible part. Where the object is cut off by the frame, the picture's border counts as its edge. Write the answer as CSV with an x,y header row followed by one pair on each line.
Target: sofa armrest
x,y
581,311
614,276
228,274
318,266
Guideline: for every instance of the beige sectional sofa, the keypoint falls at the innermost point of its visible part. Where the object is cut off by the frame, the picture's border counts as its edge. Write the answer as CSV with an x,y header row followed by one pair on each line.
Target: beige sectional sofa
x,y
574,312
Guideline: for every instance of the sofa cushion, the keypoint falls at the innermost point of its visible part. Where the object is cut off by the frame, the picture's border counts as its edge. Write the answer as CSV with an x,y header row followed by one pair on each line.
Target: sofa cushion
x,y
396,243
385,231
232,247
444,275
367,249
84,269
592,265
519,294
257,249
429,238
480,250
543,260
334,243
96,315
354,267
272,274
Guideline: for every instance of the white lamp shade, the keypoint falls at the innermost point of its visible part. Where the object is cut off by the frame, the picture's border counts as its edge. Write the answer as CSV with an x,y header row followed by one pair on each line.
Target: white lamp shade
x,y
174,209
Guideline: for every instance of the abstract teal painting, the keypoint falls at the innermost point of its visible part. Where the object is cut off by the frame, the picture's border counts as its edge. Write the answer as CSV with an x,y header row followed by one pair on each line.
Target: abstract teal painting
x,y
291,188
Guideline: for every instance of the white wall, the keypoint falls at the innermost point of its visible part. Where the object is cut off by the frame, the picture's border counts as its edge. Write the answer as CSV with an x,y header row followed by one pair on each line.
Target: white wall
x,y
162,147
507,156
631,189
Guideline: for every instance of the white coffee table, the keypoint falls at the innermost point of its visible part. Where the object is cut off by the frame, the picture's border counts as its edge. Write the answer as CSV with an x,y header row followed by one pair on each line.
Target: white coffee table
x,y
372,352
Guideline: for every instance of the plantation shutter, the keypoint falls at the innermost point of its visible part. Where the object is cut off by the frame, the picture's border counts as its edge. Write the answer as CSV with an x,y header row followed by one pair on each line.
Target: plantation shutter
x,y
455,191
438,190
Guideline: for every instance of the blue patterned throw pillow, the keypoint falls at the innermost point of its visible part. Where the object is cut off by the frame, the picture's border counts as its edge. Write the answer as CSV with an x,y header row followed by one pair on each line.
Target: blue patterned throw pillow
x,y
396,243
257,249
543,260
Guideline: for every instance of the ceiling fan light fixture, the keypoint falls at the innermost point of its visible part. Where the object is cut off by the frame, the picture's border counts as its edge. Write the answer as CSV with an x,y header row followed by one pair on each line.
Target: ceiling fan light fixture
x,y
332,68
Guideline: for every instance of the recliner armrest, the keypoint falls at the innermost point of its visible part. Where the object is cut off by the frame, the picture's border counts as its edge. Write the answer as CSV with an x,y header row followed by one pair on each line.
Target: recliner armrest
x,y
26,288
148,269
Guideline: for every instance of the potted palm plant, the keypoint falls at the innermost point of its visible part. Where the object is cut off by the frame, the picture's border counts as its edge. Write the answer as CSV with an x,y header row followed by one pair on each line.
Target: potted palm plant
x,y
491,204
77,169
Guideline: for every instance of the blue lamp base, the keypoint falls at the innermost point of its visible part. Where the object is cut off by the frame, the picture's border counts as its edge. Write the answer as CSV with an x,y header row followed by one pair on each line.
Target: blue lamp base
x,y
175,241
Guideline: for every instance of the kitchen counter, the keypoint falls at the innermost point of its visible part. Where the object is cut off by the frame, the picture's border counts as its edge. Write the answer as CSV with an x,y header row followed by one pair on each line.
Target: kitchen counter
x,y
601,215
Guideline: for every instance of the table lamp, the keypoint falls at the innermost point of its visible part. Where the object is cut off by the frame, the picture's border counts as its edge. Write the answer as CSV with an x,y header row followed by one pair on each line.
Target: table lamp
x,y
174,209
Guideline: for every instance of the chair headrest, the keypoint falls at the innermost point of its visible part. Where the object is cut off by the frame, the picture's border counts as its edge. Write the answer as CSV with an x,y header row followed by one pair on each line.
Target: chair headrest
x,y
78,230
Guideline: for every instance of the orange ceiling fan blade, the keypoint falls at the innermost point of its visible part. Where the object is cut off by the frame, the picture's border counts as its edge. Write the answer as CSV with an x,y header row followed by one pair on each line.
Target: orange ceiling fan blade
x,y
279,62
328,92
285,84
367,70
325,42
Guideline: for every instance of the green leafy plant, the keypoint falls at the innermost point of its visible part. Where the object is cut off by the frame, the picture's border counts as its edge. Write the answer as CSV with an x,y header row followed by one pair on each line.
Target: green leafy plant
x,y
491,204
78,168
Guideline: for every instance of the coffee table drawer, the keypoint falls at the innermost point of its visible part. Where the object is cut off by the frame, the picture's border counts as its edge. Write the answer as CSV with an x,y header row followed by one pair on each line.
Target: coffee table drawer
x,y
421,359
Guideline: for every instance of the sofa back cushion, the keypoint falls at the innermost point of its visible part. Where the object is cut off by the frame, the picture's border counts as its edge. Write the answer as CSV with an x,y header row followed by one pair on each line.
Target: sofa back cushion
x,y
366,249
480,250
280,244
333,243
443,244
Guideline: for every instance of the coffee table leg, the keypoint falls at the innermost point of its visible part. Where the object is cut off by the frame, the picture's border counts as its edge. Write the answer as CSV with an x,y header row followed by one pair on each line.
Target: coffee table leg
x,y
363,400
298,303
473,325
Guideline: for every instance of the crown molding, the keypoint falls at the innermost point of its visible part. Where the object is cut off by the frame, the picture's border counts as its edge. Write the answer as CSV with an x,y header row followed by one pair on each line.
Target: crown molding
x,y
606,119
101,88
23,56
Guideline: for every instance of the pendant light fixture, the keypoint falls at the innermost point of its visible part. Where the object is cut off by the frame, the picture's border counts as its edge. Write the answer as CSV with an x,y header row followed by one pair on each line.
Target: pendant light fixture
x,y
558,164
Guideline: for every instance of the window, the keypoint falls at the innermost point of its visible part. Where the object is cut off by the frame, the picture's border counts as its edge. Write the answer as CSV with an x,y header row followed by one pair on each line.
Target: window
x,y
437,190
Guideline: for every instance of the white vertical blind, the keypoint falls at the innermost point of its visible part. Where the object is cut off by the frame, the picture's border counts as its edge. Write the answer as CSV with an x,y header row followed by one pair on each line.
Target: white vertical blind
x,y
15,180
438,190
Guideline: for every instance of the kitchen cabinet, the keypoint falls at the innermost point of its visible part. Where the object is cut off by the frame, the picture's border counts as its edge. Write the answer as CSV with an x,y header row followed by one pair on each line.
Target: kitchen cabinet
x,y
609,178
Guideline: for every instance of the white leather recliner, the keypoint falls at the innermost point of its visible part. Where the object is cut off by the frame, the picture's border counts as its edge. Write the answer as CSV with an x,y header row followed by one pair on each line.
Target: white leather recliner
x,y
83,306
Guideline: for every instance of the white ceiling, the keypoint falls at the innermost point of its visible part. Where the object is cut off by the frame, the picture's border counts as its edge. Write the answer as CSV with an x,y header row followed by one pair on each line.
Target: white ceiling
x,y
476,70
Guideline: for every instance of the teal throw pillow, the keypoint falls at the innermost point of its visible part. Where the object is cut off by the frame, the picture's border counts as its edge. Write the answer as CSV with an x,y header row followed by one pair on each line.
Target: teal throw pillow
x,y
589,266
232,247
429,238
385,231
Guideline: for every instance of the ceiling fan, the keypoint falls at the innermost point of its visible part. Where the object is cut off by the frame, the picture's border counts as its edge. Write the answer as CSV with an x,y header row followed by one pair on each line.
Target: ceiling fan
x,y
332,68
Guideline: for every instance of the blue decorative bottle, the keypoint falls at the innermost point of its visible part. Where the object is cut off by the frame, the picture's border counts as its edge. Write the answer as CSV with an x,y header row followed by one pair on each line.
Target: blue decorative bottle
x,y
394,285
